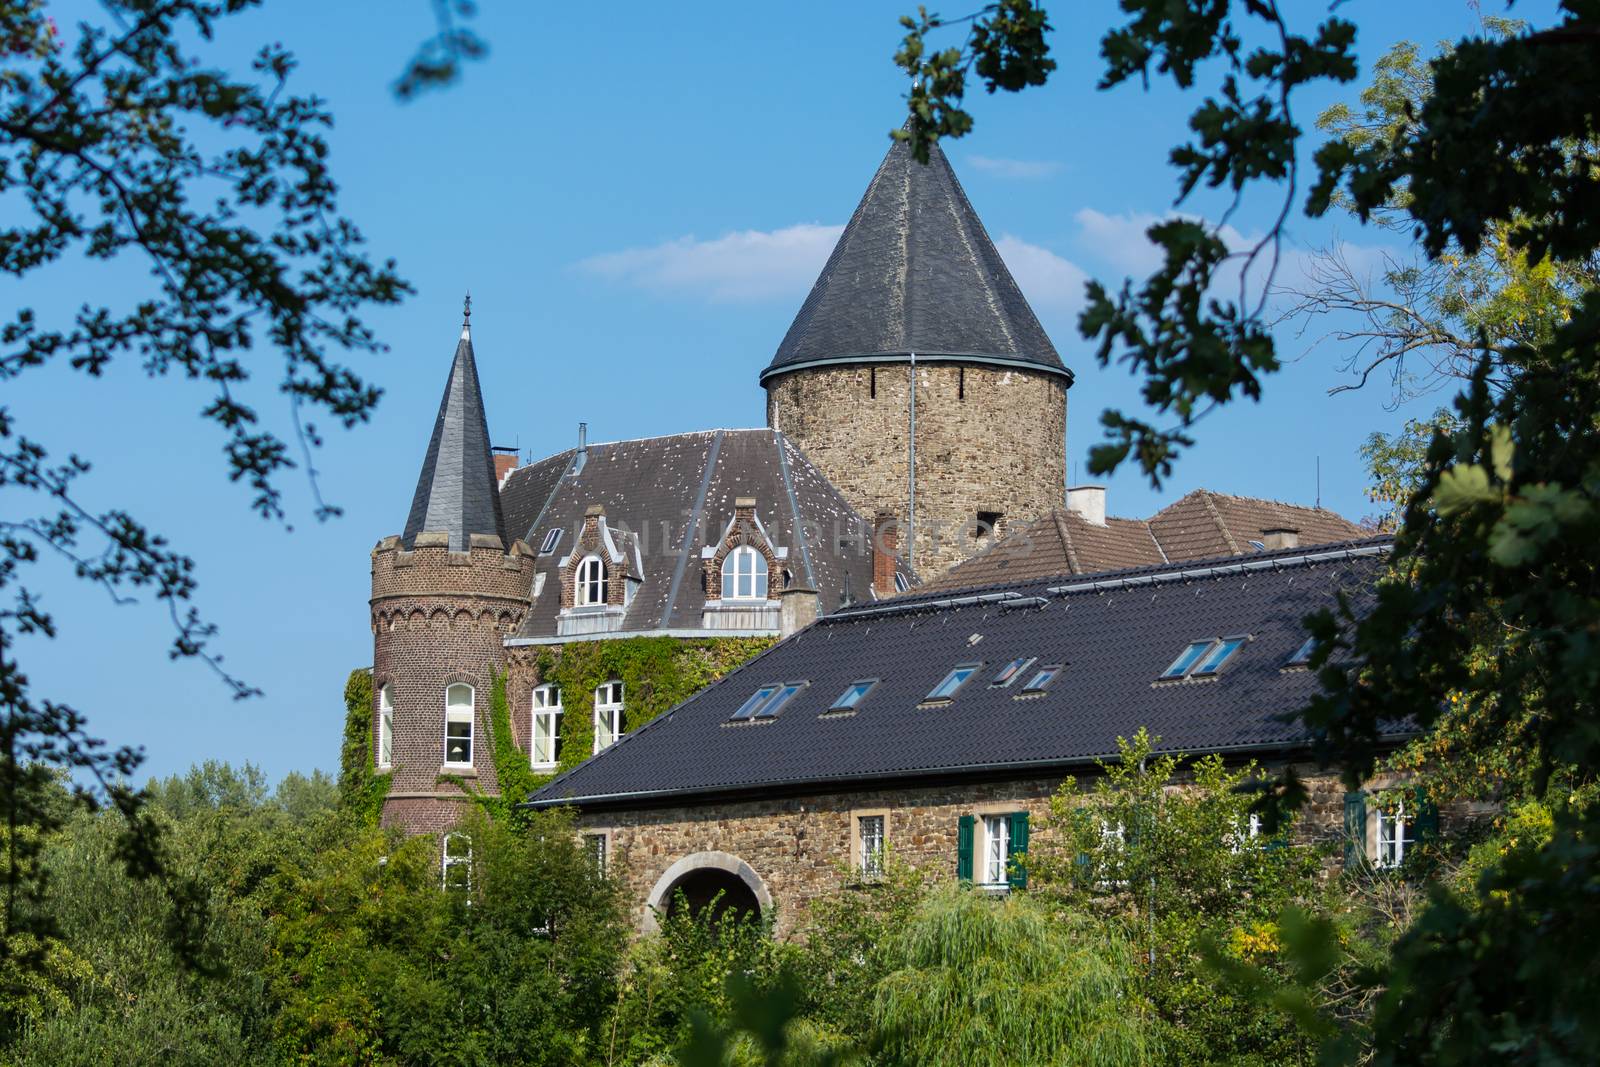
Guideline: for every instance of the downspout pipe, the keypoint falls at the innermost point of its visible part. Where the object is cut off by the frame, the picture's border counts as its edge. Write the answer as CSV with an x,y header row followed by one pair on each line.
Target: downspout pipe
x,y
911,465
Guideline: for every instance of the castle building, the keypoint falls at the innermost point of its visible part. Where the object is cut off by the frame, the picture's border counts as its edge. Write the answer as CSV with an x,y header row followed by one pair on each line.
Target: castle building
x,y
545,613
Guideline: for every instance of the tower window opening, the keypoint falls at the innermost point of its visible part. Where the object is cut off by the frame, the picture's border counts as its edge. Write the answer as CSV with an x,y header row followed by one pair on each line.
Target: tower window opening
x,y
872,386
988,523
961,383
458,716
385,728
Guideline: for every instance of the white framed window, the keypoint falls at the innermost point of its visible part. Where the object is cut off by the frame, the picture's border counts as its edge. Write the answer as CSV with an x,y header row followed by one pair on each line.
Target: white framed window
x,y
869,846
744,575
596,847
458,701
1395,835
996,849
1244,834
385,728
551,539
547,715
455,864
591,583
607,715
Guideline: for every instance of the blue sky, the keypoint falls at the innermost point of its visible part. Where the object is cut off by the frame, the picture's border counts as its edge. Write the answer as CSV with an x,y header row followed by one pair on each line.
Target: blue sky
x,y
638,197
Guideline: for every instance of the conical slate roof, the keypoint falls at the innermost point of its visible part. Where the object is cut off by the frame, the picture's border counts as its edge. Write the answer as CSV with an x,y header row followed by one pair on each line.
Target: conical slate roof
x,y
915,271
457,493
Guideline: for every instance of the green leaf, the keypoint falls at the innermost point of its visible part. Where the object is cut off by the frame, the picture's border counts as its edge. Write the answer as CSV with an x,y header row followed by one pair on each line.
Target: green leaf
x,y
1462,487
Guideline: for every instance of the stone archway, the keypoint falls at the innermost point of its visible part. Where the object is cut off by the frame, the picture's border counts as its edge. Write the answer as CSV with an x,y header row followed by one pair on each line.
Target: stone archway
x,y
701,876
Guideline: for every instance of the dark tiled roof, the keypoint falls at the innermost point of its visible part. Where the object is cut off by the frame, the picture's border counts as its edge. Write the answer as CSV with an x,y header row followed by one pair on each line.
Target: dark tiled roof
x,y
1204,523
658,487
1115,633
915,271
456,491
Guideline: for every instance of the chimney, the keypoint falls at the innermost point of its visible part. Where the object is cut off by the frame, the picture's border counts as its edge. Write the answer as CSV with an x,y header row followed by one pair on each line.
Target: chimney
x,y
583,451
1280,537
798,609
744,513
505,461
1088,502
885,547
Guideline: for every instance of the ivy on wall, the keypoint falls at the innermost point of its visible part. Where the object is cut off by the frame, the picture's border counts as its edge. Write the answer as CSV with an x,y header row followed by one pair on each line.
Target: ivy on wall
x,y
361,787
656,674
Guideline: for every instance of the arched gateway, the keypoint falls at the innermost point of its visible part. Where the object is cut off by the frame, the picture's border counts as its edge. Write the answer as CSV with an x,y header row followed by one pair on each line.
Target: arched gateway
x,y
701,877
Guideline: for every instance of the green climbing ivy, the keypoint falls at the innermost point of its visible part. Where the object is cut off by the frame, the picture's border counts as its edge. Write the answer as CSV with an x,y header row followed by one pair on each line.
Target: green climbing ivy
x,y
656,674
361,787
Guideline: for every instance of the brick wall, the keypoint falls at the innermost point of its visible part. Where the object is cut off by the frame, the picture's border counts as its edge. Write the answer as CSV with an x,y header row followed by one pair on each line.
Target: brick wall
x,y
801,848
988,439
438,617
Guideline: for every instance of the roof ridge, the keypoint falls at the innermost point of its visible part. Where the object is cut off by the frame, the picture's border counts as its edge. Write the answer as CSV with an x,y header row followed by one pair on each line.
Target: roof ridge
x,y
1066,539
1216,516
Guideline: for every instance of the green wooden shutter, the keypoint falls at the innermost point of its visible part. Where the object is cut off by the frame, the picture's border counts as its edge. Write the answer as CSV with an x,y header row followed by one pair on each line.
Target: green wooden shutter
x,y
1355,829
1017,874
964,835
1427,819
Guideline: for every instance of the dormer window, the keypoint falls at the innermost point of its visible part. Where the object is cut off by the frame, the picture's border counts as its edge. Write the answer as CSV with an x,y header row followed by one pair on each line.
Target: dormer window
x,y
744,575
591,584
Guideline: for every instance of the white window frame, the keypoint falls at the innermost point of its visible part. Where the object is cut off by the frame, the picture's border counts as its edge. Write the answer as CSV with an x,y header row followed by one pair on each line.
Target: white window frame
x,y
597,844
547,711
748,567
552,538
871,850
454,715
447,862
385,728
1394,837
590,582
995,848
1041,679
608,704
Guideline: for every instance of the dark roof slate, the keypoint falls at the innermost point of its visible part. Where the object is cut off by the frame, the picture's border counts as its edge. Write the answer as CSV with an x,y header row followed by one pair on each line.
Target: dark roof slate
x,y
1114,632
658,488
915,271
457,491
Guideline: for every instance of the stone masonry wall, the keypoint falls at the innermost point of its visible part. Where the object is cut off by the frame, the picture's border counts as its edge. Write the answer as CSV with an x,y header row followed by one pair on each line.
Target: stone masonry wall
x,y
801,848
989,439
438,617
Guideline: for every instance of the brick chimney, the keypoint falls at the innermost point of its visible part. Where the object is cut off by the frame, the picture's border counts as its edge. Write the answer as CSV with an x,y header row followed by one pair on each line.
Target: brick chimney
x,y
885,548
1281,537
505,461
744,513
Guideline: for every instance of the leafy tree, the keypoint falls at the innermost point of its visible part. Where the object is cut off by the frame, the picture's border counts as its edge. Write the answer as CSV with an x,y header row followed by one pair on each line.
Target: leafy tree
x,y
1499,590
1166,851
988,981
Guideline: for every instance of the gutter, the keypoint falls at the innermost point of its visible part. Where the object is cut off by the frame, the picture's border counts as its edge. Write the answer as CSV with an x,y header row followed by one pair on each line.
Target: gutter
x,y
618,635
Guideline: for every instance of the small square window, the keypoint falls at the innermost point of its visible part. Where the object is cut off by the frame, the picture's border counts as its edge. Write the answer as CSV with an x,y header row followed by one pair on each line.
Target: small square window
x,y
953,681
785,693
988,524
1302,655
1012,671
1187,658
1042,679
551,539
758,698
1220,653
854,695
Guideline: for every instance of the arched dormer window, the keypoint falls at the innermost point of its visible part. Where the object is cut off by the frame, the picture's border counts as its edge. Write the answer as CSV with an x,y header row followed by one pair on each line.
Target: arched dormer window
x,y
744,575
591,582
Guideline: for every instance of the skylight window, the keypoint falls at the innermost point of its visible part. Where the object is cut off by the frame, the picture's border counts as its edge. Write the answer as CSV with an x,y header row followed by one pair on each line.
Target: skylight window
x,y
1302,655
551,539
1220,653
901,582
1187,659
854,695
758,698
1259,546
1042,679
957,678
785,693
1011,671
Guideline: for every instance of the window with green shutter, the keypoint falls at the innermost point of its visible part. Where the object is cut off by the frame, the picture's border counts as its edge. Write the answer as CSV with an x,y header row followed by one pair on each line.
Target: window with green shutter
x,y
1355,829
964,837
1017,873
1427,819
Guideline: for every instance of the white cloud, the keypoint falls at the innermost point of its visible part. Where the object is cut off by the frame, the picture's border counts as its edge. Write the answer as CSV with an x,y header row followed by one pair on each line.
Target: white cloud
x,y
1015,168
1046,279
747,265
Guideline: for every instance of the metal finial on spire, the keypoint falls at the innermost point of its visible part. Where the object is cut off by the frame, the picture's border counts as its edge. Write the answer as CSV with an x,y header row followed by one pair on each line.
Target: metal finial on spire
x,y
466,316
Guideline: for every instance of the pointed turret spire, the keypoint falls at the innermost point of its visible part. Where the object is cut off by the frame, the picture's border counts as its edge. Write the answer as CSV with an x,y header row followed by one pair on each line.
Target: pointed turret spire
x,y
915,271
457,493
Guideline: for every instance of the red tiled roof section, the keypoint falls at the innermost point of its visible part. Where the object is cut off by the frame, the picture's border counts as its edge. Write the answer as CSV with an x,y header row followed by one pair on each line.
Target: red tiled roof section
x,y
1203,524
1061,542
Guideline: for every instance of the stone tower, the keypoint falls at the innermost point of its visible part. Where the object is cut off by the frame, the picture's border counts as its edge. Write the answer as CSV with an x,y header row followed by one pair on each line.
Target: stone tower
x,y
915,292
444,595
